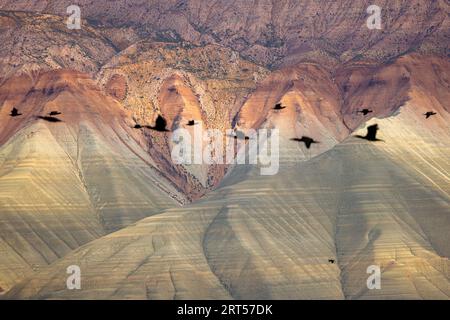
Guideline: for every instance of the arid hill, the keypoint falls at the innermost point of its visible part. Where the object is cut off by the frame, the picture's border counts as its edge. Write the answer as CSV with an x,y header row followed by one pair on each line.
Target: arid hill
x,y
270,32
95,185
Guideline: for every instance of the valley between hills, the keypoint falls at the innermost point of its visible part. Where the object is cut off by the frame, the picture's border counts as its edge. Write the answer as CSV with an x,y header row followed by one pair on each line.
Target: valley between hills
x,y
98,188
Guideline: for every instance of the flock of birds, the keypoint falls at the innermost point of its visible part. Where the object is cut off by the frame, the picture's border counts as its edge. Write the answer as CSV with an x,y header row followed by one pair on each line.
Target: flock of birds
x,y
371,130
161,125
50,117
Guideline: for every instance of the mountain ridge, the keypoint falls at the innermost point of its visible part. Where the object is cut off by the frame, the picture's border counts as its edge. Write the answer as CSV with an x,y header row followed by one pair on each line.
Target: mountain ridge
x,y
96,186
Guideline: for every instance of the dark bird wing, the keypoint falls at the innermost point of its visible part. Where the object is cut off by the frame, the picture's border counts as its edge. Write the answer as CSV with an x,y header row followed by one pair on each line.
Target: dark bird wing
x,y
372,132
160,123
49,119
14,112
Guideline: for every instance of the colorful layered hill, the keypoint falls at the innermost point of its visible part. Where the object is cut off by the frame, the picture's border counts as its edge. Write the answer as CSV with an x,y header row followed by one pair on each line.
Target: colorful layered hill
x,y
85,179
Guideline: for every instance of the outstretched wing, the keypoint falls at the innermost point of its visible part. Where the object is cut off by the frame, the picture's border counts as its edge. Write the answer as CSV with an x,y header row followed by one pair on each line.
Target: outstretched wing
x,y
372,132
161,122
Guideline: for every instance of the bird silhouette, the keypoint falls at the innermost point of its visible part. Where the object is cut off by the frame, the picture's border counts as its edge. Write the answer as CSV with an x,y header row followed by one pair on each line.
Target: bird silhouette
x,y
331,260
15,113
54,113
278,106
49,119
306,140
191,123
429,114
160,124
364,111
371,133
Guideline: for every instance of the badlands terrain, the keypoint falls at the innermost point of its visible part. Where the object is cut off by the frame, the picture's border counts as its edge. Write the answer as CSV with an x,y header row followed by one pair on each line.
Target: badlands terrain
x,y
97,187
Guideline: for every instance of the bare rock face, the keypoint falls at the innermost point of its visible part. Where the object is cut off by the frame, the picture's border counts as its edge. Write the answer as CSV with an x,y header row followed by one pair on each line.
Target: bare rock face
x,y
67,182
182,83
97,170
311,107
384,89
117,87
271,32
357,204
361,203
42,42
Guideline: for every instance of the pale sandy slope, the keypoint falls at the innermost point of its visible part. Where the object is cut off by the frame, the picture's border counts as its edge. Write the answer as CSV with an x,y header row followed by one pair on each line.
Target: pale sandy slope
x,y
63,184
271,237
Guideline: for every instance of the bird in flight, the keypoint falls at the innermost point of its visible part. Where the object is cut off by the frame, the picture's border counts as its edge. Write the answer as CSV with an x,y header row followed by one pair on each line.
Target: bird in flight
x,y
371,133
49,119
15,113
278,106
306,140
364,111
429,114
54,113
160,124
331,260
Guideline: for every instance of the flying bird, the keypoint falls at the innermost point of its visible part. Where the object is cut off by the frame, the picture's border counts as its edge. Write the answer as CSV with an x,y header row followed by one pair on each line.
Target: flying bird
x,y
15,113
160,124
54,113
371,133
278,106
331,260
306,140
364,111
429,114
191,123
49,119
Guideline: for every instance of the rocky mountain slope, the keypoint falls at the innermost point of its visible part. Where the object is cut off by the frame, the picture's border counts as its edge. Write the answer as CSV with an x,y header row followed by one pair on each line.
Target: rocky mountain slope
x,y
66,183
271,237
75,187
271,32
362,203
